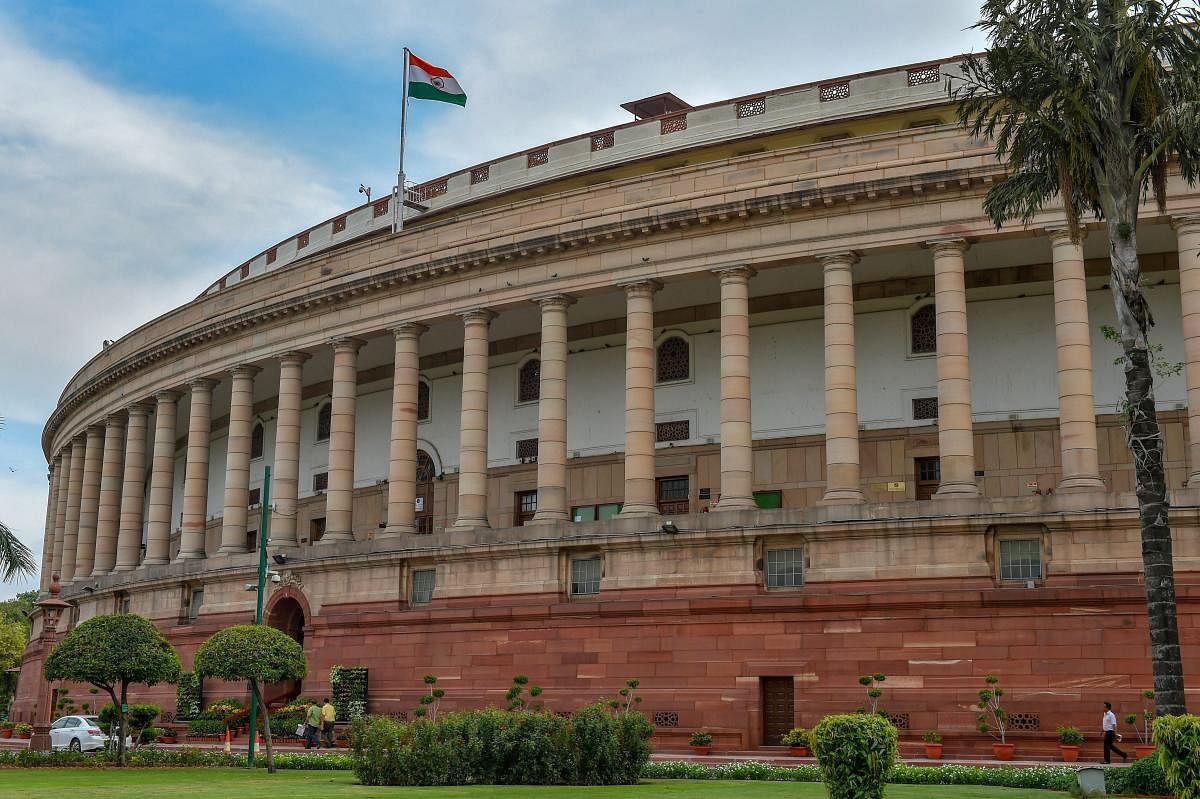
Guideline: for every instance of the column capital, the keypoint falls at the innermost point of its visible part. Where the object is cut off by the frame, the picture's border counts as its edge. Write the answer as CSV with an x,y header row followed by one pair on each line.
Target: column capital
x,y
640,288
478,316
115,419
167,396
245,370
80,438
955,244
409,330
139,409
202,384
294,358
56,460
740,273
96,429
346,344
1059,236
1185,224
555,300
835,259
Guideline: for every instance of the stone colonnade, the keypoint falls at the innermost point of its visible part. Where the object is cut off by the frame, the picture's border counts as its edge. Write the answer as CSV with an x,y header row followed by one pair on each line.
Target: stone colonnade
x,y
94,521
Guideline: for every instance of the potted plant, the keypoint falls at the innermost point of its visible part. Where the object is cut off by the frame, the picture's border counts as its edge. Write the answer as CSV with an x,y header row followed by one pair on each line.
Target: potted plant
x,y
798,740
933,744
23,730
165,735
343,739
1069,739
993,718
1145,745
6,729
701,742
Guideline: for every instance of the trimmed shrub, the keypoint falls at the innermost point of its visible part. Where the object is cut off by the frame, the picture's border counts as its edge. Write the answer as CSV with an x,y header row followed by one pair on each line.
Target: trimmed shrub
x,y
187,696
1143,777
855,753
633,734
1178,742
206,727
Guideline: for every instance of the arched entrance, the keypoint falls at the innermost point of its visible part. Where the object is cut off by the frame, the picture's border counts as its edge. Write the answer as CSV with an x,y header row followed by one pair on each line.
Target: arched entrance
x,y
424,500
286,614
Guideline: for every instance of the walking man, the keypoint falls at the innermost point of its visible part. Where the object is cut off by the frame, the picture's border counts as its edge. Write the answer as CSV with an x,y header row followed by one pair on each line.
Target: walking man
x,y
328,716
1110,733
312,726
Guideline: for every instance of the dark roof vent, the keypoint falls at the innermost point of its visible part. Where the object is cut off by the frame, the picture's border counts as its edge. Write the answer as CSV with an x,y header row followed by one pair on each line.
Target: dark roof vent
x,y
656,106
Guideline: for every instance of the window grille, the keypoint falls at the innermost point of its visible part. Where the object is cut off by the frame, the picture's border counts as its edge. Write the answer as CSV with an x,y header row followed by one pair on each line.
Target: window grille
x,y
324,421
527,449
835,91
480,174
752,108
673,124
428,191
899,720
380,207
422,401
585,576
272,254
302,241
602,141
922,327
256,441
1021,559
538,157
924,408
785,568
674,360
673,495
673,431
320,481
1025,722
529,381
666,718
339,225
422,586
254,497
425,467
922,75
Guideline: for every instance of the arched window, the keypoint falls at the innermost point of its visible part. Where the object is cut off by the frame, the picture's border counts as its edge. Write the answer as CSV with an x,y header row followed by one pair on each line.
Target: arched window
x,y
425,468
324,421
922,328
529,381
256,441
674,360
422,401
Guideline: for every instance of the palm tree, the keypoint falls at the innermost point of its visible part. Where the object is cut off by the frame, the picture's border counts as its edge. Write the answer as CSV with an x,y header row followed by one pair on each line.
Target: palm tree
x,y
1090,103
15,558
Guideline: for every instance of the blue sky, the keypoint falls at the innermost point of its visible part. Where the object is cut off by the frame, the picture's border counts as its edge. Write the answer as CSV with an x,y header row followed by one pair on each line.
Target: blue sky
x,y
148,147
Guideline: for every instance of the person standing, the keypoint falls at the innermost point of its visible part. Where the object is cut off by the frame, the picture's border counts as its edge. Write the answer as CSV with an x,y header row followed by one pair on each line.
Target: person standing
x,y
328,716
312,725
1109,723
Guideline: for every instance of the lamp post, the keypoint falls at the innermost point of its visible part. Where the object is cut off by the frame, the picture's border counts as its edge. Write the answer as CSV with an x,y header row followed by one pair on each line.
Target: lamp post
x,y
52,610
258,611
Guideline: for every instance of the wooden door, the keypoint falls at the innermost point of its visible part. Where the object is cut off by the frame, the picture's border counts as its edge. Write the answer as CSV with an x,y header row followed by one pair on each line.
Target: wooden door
x,y
778,708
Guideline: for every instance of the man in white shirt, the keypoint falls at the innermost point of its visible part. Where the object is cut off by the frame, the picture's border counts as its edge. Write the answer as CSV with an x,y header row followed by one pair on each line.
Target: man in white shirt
x,y
1109,723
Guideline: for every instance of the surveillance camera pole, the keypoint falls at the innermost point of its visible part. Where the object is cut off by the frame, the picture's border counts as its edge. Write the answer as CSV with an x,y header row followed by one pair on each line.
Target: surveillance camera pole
x,y
258,611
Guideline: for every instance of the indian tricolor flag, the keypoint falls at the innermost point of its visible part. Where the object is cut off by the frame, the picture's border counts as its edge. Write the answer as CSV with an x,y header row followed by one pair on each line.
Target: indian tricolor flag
x,y
427,82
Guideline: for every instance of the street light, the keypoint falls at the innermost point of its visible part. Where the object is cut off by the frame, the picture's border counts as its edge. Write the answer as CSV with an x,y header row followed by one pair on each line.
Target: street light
x,y
52,610
258,610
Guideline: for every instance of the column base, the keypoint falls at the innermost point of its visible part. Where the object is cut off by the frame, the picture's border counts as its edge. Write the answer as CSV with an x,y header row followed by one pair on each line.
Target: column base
x,y
155,562
282,543
843,496
956,491
1090,482
190,555
227,550
472,523
735,503
123,568
550,517
638,509
335,538
40,742
1193,480
396,530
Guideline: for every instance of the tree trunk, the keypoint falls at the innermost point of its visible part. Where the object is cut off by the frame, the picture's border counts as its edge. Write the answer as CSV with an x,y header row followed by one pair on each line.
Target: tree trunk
x,y
1146,449
266,722
118,704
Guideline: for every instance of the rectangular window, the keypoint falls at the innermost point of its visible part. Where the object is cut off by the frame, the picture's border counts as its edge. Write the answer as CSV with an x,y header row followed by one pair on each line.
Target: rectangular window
x,y
673,495
254,497
525,506
320,481
585,576
122,602
785,568
1021,559
591,513
768,500
929,476
252,540
422,586
527,450
316,529
195,601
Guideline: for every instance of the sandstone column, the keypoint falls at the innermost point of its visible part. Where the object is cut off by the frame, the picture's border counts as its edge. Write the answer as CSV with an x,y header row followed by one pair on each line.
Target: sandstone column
x,y
162,479
1072,336
51,515
737,459
60,516
552,413
843,485
473,446
285,478
89,502
402,458
237,461
71,519
956,445
339,498
1187,234
133,489
195,472
111,477
640,498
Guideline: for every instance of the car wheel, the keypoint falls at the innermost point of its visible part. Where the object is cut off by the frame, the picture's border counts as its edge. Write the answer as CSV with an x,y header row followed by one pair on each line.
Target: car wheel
x,y
76,746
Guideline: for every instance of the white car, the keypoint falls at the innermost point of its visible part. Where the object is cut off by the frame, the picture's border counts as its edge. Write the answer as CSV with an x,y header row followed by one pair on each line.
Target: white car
x,y
77,733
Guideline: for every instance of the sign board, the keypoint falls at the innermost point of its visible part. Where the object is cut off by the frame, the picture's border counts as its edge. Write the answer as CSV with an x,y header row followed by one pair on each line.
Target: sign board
x,y
896,486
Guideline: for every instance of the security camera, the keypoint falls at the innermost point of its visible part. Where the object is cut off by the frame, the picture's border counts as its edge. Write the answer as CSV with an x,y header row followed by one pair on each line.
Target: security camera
x,y
275,578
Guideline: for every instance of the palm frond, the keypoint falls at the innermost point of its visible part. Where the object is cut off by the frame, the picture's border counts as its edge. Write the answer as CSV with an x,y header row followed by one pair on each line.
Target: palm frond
x,y
15,558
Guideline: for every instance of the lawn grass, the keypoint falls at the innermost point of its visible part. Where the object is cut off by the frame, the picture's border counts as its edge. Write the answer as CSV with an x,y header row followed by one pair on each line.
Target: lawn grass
x,y
222,783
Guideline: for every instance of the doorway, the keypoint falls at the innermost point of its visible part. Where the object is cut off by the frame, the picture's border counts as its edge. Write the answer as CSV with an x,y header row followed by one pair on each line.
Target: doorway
x,y
778,708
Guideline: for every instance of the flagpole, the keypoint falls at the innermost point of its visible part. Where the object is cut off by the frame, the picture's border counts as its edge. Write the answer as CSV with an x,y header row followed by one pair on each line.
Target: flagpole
x,y
398,211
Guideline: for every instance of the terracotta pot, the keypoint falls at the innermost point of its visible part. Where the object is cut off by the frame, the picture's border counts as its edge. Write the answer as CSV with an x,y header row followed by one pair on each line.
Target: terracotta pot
x,y
799,751
1143,750
933,751
6,733
701,750
342,743
25,735
1003,751
1070,753
165,739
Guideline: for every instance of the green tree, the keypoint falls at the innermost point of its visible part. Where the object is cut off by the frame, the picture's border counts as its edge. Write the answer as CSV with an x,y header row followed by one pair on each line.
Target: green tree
x,y
1090,103
112,653
18,608
256,653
